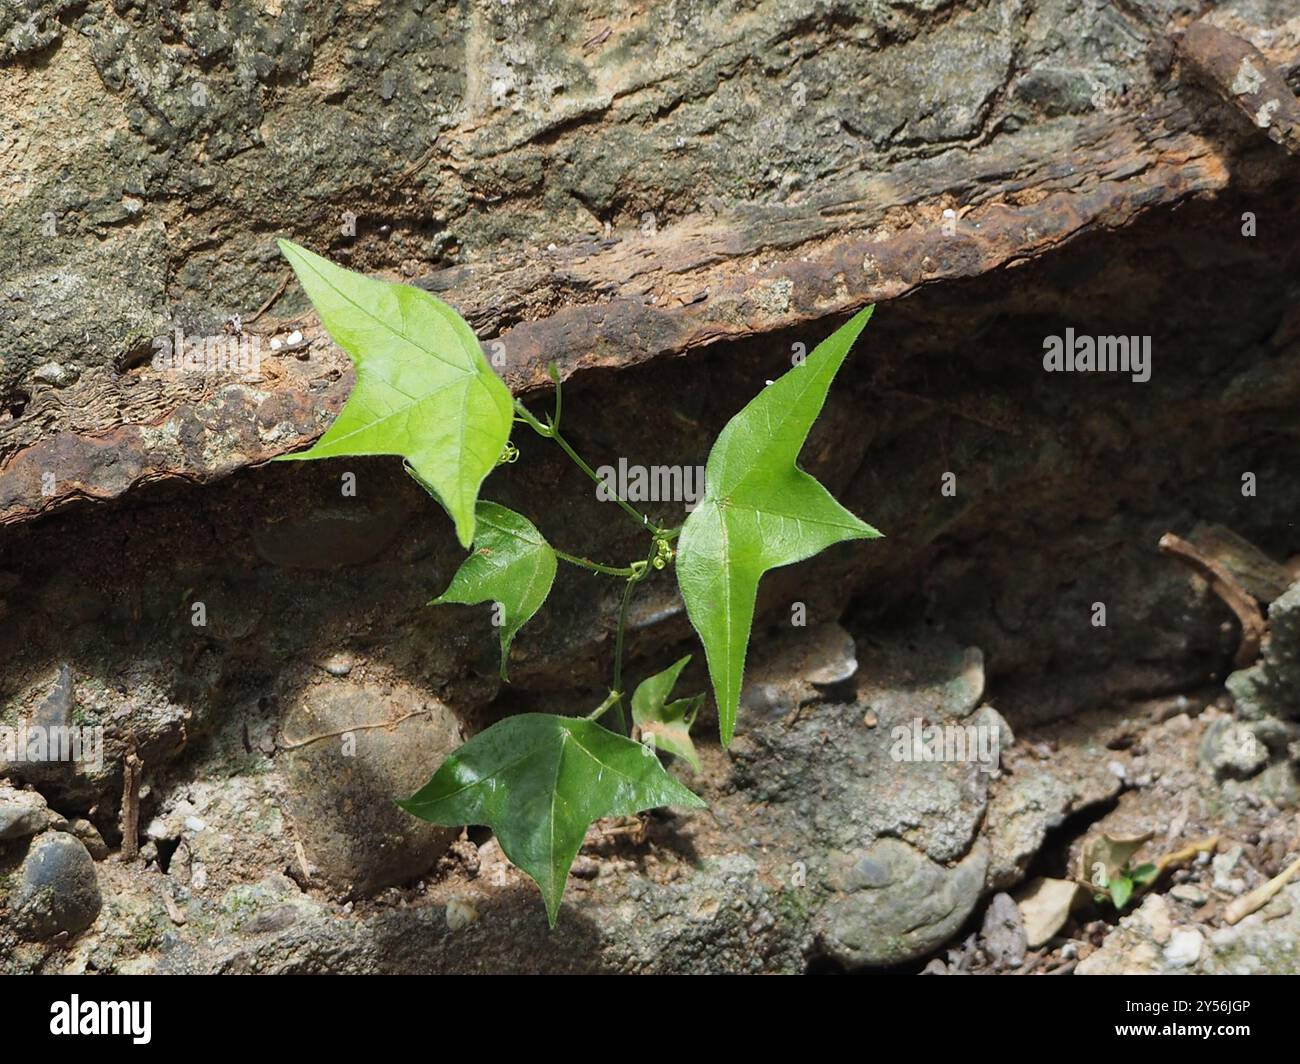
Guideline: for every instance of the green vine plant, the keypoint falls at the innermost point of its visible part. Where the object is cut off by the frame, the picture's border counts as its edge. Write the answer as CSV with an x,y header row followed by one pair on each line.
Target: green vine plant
x,y
425,392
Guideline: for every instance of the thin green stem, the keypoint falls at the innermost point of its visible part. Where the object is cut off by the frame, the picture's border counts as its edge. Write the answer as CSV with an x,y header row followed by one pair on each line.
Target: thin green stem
x,y
640,570
605,706
527,418
551,431
628,588
641,520
595,567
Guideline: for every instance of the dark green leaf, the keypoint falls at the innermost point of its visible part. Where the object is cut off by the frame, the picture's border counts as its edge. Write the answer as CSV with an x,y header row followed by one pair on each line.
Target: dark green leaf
x,y
1144,874
538,781
510,564
423,390
667,724
760,511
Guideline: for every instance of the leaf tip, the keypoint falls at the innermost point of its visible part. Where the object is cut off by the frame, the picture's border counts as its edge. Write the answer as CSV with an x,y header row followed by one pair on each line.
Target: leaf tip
x,y
465,529
295,253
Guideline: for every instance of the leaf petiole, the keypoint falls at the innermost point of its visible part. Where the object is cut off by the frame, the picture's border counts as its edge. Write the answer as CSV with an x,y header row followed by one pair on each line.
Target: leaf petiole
x,y
610,700
550,429
595,567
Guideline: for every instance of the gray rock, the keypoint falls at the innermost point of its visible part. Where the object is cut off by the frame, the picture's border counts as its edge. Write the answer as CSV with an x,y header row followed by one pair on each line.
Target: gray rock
x,y
89,836
1271,688
342,786
56,374
1003,933
786,673
56,889
863,790
22,813
1232,750
1189,893
1025,806
55,711
895,904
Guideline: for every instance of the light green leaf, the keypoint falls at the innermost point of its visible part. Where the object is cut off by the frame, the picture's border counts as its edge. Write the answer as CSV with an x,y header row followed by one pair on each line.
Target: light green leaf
x,y
669,723
1121,889
538,781
423,390
511,564
760,511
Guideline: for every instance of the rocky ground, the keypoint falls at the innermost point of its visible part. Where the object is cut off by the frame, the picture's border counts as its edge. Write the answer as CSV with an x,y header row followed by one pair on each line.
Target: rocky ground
x,y
820,850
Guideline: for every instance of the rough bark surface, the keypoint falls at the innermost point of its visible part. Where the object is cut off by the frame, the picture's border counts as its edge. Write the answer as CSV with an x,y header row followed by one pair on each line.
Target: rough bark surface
x,y
599,187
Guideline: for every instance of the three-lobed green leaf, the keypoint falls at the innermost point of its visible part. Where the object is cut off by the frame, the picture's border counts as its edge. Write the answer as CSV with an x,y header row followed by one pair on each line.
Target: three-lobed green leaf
x,y
760,511
668,724
423,389
538,781
510,564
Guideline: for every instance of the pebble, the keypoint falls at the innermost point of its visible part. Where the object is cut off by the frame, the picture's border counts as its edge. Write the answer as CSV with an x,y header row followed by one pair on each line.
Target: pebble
x,y
1003,933
90,838
338,665
1189,893
57,889
1184,948
460,914
1222,866
56,374
22,813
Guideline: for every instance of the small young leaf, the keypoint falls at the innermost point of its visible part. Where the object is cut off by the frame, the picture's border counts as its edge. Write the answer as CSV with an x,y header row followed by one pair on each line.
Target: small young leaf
x,y
538,781
760,511
1109,855
1144,874
511,564
1121,889
423,390
668,722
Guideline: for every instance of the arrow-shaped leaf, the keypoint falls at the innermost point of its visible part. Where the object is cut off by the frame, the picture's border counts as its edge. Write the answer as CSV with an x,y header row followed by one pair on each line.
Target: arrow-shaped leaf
x,y
510,564
423,390
669,723
538,781
760,511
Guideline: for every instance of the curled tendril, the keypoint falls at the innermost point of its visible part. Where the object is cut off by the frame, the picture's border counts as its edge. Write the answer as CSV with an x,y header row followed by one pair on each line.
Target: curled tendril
x,y
509,455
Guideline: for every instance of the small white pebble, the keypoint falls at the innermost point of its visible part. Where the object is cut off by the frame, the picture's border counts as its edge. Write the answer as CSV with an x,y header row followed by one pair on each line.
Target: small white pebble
x,y
1184,948
460,914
